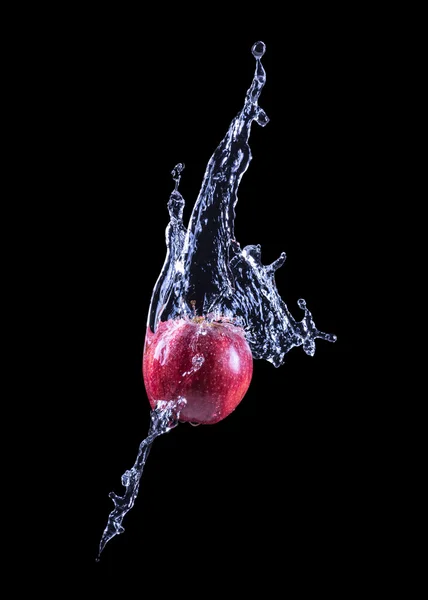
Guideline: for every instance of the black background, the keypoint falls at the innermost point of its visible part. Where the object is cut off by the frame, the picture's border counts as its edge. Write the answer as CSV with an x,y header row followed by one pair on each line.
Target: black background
x,y
279,483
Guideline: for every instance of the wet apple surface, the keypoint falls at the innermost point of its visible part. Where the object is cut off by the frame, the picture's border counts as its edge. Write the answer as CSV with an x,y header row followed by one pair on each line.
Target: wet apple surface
x,y
209,364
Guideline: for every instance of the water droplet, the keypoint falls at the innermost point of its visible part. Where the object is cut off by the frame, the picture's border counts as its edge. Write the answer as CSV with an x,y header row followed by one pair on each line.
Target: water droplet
x,y
198,361
258,49
262,118
176,174
125,478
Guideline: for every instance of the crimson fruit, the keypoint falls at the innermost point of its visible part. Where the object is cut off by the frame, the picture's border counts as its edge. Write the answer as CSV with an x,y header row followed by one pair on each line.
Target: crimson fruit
x,y
207,363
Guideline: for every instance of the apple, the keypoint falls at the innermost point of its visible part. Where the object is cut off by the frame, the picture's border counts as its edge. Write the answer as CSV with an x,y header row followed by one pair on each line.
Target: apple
x,y
208,363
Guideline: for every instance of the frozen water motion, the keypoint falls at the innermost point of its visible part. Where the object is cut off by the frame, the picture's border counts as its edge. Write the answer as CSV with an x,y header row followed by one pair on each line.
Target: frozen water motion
x,y
214,294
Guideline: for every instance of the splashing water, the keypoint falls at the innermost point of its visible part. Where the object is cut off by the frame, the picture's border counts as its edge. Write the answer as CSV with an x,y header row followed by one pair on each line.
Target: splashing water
x,y
163,418
206,273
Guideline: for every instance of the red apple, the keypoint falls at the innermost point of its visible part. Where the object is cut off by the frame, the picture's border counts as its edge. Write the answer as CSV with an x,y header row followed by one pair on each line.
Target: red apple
x,y
208,364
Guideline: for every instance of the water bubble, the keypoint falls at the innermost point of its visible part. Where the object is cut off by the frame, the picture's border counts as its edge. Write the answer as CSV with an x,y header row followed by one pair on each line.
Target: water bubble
x,y
262,118
176,172
198,361
301,303
258,49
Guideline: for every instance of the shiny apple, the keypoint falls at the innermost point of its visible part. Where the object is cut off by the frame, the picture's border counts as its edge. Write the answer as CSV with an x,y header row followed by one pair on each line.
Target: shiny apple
x,y
208,363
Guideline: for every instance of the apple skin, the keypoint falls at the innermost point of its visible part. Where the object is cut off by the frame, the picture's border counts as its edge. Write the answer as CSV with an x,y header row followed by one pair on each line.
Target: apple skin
x,y
208,364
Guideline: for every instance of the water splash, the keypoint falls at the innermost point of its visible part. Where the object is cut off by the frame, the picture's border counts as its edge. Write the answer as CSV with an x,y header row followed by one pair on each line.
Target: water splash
x,y
207,273
163,418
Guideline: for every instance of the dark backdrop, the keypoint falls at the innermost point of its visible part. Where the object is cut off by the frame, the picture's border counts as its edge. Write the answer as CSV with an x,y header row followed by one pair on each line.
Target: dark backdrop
x,y
279,481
